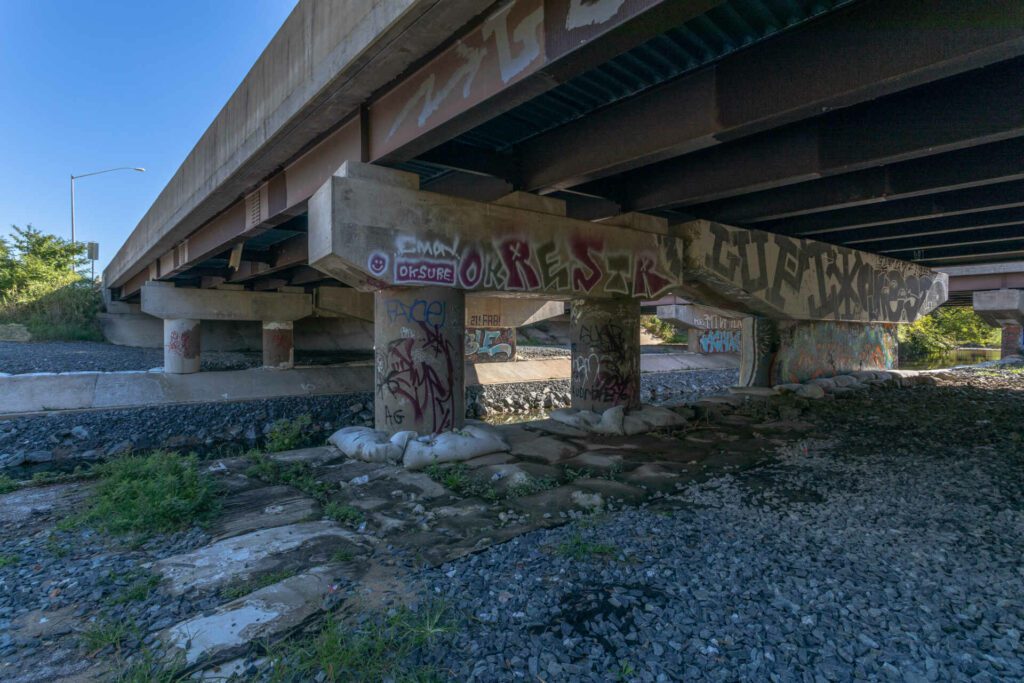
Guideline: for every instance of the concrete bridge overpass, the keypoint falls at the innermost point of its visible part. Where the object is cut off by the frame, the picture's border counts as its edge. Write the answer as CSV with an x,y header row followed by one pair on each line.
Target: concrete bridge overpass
x,y
804,162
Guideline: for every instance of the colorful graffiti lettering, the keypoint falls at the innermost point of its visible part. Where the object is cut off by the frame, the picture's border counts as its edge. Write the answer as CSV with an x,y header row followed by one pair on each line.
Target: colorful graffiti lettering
x,y
808,350
820,280
581,265
484,345
719,341
605,361
434,313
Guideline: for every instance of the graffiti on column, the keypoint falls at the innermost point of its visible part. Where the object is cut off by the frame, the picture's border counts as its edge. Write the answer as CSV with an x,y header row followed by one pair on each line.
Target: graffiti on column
x,y
719,341
823,349
603,364
816,280
184,344
564,264
484,345
418,369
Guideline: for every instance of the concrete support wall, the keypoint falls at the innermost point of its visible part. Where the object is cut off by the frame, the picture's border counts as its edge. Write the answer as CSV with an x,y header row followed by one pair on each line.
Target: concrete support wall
x,y
1012,341
278,345
181,346
782,352
489,345
605,346
714,340
419,341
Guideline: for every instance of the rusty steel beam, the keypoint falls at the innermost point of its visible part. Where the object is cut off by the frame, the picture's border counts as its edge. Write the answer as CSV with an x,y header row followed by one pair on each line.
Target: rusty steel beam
x,y
965,111
870,50
971,283
983,165
917,210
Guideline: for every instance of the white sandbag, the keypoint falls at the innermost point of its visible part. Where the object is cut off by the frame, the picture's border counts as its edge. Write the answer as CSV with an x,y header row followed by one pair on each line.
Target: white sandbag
x,y
364,443
453,446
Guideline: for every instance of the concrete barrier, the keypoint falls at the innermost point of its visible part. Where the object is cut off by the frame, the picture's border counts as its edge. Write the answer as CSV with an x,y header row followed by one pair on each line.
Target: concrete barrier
x,y
44,392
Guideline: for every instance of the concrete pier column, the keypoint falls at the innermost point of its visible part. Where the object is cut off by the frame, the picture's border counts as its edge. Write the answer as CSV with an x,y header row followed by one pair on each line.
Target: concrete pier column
x,y
278,345
419,343
759,341
605,344
181,346
1012,341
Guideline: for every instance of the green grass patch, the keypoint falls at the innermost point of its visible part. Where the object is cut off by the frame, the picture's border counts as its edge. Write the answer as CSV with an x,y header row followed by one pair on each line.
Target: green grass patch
x,y
286,435
240,589
530,486
343,514
297,474
342,555
577,548
102,634
7,484
149,667
144,495
8,560
141,585
373,652
456,478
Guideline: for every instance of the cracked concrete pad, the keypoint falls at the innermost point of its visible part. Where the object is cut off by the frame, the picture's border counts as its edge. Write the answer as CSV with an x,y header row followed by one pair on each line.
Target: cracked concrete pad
x,y
595,462
557,428
240,557
490,459
653,477
545,449
263,508
17,507
262,615
318,455
610,490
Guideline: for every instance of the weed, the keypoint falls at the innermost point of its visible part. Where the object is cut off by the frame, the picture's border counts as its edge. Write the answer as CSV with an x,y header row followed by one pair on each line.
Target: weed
x,y
625,671
7,484
530,486
343,514
8,560
103,634
297,474
286,434
148,667
342,555
142,495
456,477
576,548
379,650
139,588
242,588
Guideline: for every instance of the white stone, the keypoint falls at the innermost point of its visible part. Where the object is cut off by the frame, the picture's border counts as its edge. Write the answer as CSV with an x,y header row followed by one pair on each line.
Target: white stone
x,y
810,391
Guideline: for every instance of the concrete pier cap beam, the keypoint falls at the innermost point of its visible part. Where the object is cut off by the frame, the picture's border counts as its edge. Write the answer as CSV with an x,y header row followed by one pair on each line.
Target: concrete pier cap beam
x,y
164,300
419,371
1000,307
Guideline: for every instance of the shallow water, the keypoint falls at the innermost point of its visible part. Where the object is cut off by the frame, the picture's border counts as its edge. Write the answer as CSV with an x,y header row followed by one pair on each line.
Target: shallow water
x,y
948,360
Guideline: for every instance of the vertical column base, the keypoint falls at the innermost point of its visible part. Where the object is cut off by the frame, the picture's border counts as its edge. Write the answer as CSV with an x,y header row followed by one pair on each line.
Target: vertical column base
x,y
181,346
1012,341
278,345
605,347
759,341
419,365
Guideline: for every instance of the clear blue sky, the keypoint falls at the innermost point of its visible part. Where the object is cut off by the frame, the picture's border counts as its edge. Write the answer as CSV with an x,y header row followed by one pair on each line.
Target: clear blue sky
x,y
91,84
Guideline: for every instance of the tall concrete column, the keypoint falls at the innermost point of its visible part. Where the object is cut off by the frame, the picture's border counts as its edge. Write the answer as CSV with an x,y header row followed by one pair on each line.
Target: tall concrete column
x,y
278,345
605,344
759,341
419,343
1012,341
181,346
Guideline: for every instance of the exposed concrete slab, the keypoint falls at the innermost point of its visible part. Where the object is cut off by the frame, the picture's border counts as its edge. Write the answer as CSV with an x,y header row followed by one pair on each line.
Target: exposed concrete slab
x,y
343,301
44,392
263,508
219,304
494,312
241,557
262,615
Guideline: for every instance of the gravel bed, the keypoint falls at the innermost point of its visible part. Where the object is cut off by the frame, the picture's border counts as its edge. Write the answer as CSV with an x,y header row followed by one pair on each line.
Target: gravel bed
x,y
18,358
891,552
29,444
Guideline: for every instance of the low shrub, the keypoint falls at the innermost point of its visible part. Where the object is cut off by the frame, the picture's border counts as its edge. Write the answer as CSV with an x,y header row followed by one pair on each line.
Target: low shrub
x,y
147,494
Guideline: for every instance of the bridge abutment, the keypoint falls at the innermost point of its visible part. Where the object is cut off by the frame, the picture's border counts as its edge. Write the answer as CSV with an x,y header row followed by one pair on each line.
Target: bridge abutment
x,y
419,340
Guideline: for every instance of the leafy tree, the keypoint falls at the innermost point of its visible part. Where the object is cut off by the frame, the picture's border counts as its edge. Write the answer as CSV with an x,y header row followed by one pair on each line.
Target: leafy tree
x,y
945,329
42,286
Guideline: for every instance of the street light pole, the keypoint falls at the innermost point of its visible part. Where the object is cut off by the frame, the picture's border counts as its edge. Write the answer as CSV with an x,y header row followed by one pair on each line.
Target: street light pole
x,y
83,175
